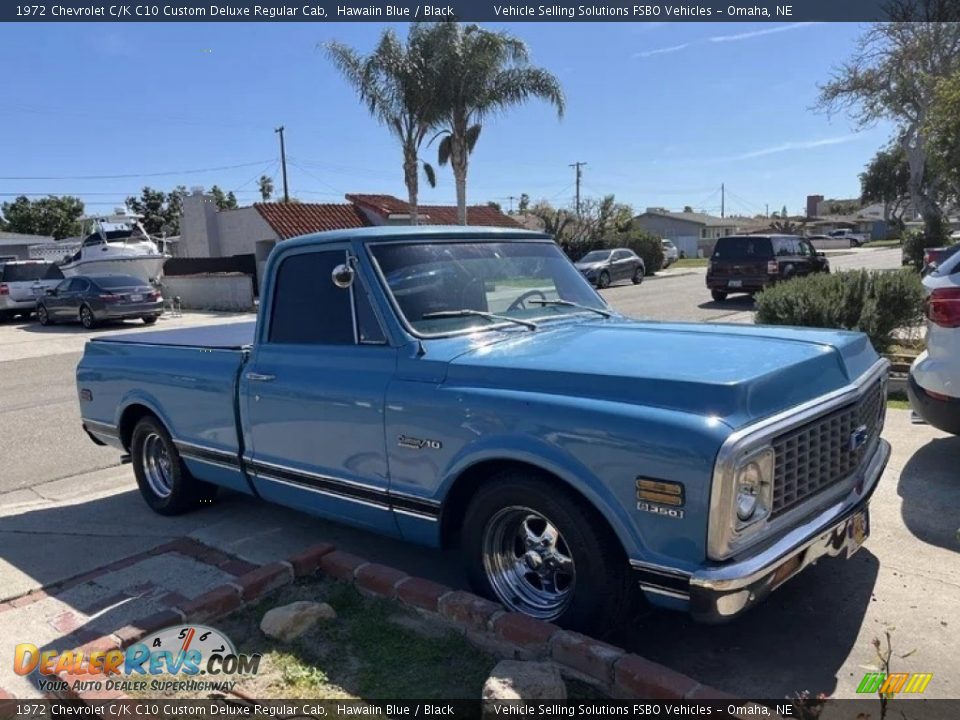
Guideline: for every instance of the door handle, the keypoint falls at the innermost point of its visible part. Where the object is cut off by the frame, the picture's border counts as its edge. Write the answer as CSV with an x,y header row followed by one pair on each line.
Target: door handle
x,y
259,377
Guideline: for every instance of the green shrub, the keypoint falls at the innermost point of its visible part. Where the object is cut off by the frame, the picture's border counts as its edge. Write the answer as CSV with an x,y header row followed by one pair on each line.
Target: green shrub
x,y
647,246
876,303
914,241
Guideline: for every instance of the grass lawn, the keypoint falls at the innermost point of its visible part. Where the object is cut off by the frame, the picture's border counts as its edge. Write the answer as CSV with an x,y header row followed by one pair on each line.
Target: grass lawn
x,y
898,401
373,650
882,243
689,263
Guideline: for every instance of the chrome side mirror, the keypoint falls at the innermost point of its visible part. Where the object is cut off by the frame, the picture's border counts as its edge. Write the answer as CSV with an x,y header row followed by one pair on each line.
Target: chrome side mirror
x,y
343,276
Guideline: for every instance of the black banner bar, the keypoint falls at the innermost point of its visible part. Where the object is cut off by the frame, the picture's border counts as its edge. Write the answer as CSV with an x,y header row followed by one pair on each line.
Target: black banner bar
x,y
785,11
301,709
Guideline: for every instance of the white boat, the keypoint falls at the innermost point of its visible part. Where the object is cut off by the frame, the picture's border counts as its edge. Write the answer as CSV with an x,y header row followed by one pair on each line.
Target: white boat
x,y
118,245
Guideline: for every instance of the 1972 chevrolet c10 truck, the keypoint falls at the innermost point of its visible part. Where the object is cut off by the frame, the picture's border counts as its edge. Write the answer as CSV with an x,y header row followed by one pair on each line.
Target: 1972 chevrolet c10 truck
x,y
467,386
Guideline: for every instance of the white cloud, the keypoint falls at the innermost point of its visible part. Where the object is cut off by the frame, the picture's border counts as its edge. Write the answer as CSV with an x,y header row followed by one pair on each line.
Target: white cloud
x,y
758,33
794,145
662,51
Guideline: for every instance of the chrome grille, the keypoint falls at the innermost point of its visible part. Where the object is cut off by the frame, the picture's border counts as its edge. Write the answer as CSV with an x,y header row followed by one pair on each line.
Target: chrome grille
x,y
818,454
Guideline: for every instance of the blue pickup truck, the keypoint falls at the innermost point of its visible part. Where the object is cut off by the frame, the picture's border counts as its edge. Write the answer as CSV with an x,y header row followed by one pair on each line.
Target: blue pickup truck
x,y
467,387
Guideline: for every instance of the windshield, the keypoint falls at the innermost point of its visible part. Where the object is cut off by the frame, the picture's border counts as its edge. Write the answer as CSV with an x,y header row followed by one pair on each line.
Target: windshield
x,y
595,256
515,280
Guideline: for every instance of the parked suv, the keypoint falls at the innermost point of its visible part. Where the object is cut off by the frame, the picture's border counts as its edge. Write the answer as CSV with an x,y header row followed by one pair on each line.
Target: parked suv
x,y
934,385
602,267
22,282
750,263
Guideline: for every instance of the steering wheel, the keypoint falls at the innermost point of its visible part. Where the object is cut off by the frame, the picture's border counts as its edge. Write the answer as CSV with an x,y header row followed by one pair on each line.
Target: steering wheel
x,y
521,302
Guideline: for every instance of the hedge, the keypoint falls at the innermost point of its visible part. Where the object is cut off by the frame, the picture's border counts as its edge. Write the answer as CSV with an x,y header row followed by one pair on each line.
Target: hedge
x,y
644,244
876,303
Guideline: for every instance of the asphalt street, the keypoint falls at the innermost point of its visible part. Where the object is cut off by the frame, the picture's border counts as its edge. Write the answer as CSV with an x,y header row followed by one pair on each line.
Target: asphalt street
x,y
60,496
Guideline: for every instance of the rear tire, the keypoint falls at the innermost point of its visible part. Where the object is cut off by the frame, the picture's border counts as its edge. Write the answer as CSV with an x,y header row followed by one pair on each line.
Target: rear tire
x,y
87,318
718,295
149,319
580,579
638,275
43,316
604,280
164,481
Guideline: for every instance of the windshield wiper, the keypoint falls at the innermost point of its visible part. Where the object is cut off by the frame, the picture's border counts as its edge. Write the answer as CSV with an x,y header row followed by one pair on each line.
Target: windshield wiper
x,y
567,303
478,313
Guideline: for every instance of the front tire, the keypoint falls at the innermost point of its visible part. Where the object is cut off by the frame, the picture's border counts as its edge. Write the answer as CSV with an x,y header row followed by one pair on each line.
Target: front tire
x,y
149,319
43,316
603,281
534,547
164,481
718,295
87,318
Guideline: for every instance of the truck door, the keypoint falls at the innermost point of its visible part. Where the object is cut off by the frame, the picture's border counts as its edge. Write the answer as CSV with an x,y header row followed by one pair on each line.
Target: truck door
x,y
312,394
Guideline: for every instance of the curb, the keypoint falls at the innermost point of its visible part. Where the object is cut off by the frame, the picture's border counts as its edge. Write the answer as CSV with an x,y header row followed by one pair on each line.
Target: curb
x,y
486,625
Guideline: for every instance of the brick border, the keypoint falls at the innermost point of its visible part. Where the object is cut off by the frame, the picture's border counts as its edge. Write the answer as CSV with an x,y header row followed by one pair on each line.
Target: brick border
x,y
487,625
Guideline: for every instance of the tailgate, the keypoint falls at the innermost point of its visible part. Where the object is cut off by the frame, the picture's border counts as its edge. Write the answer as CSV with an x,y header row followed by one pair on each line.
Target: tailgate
x,y
24,291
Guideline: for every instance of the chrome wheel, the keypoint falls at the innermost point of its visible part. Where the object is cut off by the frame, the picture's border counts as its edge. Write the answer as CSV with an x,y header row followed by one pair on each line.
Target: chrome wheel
x,y
86,317
157,465
528,563
42,315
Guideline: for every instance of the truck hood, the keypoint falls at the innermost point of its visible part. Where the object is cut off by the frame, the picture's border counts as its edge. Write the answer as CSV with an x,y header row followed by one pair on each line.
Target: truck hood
x,y
736,373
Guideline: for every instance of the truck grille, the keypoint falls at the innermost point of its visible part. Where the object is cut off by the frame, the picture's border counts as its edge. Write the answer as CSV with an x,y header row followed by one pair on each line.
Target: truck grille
x,y
818,454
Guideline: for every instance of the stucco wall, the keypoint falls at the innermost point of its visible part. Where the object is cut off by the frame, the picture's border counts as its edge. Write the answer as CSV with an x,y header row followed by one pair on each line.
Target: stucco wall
x,y
241,229
227,291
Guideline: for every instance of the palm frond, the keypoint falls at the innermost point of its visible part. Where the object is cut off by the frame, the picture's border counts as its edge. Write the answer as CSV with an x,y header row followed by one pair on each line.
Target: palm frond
x,y
514,86
473,134
430,174
443,150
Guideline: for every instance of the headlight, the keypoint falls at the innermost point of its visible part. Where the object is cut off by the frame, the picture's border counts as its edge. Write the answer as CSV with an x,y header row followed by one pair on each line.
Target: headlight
x,y
753,487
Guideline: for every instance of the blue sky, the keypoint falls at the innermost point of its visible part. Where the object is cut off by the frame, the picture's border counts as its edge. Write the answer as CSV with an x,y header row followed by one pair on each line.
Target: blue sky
x,y
662,113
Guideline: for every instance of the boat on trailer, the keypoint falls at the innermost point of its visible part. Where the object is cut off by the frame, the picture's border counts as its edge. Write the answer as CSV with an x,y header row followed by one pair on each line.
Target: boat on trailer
x,y
116,244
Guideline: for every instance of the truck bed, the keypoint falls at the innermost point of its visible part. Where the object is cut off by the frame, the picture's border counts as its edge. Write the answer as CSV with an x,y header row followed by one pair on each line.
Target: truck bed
x,y
229,336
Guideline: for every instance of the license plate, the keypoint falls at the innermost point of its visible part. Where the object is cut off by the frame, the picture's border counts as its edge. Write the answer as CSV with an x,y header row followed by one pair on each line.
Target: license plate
x,y
858,528
735,283
136,298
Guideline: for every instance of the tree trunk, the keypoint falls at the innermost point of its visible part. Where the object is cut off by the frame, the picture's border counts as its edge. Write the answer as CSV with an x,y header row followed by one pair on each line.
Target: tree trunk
x,y
412,180
459,156
923,195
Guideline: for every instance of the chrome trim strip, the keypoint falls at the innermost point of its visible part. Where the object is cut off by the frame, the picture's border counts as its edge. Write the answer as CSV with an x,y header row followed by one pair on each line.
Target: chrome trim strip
x,y
661,569
306,473
664,591
414,514
414,498
326,492
206,461
101,428
720,532
189,446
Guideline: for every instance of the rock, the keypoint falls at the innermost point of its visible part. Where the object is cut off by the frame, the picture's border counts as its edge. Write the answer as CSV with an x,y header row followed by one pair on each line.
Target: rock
x,y
519,680
289,622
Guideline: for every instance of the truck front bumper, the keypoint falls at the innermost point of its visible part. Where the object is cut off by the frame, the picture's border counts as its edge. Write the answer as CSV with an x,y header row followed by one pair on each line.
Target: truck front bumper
x,y
720,593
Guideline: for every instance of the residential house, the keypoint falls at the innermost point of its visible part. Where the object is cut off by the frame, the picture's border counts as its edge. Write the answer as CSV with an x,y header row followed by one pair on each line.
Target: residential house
x,y
250,233
16,246
693,233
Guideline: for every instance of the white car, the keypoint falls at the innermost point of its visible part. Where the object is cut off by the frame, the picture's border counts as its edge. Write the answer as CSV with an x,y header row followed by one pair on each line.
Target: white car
x,y
856,239
22,282
934,384
670,253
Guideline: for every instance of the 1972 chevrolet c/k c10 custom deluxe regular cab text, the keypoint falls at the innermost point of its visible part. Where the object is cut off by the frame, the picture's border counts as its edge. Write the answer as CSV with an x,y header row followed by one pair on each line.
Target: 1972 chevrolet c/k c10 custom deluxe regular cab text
x,y
467,386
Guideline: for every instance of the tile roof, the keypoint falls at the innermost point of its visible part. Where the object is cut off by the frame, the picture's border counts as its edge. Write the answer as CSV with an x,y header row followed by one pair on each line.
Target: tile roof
x,y
434,214
292,219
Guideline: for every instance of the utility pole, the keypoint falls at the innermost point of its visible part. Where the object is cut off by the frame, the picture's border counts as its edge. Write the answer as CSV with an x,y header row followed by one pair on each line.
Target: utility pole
x,y
283,163
723,200
511,198
578,166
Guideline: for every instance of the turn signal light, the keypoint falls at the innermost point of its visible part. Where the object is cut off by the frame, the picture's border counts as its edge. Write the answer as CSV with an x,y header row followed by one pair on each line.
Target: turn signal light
x,y
110,297
943,307
4,289
661,492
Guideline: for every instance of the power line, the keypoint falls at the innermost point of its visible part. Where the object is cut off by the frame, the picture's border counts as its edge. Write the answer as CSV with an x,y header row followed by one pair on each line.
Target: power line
x,y
133,175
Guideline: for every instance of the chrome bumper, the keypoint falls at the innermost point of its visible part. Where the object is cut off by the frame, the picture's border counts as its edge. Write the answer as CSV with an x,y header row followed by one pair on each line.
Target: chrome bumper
x,y
720,593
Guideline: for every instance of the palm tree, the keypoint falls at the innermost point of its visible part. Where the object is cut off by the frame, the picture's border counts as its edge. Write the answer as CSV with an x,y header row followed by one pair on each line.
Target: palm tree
x,y
480,72
394,83
265,185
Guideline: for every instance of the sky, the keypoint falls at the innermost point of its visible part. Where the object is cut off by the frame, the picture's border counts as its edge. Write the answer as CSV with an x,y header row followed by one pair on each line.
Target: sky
x,y
662,114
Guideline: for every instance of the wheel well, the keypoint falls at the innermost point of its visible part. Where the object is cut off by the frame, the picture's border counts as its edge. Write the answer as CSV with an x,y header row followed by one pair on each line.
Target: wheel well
x,y
473,478
129,419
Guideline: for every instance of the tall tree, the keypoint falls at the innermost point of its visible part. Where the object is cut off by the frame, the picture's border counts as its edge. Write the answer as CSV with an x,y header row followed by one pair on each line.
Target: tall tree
x,y
524,205
224,201
943,126
265,186
397,84
480,73
55,216
886,180
159,212
893,75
